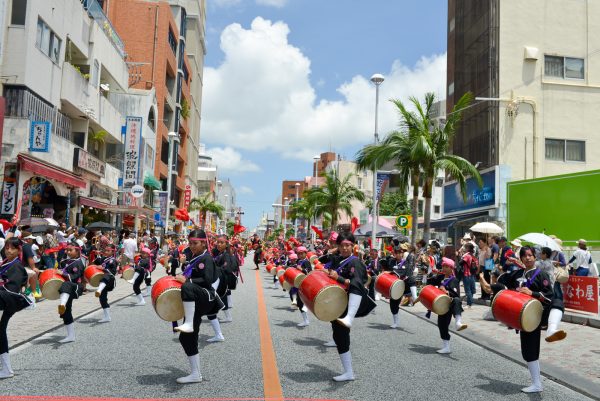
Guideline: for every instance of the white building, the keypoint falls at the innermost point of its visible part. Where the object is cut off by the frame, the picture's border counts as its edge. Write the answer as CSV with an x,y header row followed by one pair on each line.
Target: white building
x,y
60,61
363,180
533,67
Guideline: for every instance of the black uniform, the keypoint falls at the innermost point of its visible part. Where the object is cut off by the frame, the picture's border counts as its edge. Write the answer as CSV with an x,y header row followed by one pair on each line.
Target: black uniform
x,y
201,273
452,285
142,267
13,278
373,269
228,268
174,260
111,266
353,269
306,268
540,285
72,272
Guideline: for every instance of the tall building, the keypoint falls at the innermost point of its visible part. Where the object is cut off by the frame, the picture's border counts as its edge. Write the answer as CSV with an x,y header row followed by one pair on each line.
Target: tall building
x,y
61,144
534,69
165,47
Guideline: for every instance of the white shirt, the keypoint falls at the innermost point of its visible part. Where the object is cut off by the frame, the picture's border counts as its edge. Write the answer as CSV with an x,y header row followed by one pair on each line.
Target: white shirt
x,y
130,247
60,236
582,258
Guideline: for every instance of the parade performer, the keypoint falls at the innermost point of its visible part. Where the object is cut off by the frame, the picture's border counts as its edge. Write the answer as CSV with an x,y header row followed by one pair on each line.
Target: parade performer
x,y
199,298
13,278
373,264
72,271
351,273
174,257
451,286
403,267
257,246
109,264
228,262
557,308
535,283
304,266
141,268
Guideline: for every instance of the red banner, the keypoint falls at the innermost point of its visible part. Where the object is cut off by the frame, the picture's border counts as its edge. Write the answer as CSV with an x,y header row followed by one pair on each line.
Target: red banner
x,y
581,293
187,196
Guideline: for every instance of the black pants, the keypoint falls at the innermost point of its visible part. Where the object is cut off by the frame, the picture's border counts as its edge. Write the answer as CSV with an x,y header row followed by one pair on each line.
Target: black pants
x,y
6,315
148,278
110,285
530,344
138,281
486,276
341,337
174,266
395,305
189,341
74,290
444,320
372,288
67,317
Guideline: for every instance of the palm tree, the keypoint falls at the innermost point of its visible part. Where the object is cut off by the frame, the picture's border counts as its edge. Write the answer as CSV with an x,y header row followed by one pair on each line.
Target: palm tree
x,y
334,197
421,149
204,204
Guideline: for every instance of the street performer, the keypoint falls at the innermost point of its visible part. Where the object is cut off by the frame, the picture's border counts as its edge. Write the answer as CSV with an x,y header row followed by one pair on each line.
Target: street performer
x,y
451,286
72,271
142,268
198,296
537,284
13,278
349,271
109,264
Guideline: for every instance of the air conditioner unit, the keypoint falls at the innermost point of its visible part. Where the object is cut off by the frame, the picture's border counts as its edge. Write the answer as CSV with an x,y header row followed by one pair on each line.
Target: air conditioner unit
x,y
531,53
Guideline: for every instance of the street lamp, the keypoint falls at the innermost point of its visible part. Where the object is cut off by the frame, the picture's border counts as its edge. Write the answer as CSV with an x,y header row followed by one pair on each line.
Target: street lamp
x,y
173,137
296,218
377,79
285,201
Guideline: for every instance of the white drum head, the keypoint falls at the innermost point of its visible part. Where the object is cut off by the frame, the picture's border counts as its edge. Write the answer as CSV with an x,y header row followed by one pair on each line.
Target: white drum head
x,y
128,274
330,303
531,315
51,287
169,306
397,290
441,304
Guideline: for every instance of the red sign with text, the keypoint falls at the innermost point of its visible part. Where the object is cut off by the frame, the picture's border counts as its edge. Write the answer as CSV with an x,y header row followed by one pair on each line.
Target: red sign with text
x,y
187,197
581,293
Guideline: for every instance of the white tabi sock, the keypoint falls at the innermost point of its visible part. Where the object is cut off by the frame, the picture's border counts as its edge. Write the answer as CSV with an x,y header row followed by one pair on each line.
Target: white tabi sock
x,y
536,379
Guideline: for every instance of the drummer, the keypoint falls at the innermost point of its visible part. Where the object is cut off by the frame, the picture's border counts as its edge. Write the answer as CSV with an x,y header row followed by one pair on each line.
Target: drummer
x,y
199,297
109,264
558,308
373,264
13,278
229,263
141,268
451,286
72,271
536,283
402,266
350,272
305,267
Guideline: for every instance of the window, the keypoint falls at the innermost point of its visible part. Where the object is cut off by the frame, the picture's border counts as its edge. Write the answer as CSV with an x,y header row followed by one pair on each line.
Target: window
x,y
47,41
420,206
564,67
439,182
359,182
451,89
565,150
18,12
436,209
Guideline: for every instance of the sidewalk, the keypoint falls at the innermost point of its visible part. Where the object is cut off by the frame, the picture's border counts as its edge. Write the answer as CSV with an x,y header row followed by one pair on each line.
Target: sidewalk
x,y
28,324
574,362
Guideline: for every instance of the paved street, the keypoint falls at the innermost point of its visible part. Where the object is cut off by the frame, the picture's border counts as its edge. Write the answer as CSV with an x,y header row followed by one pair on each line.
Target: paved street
x,y
137,356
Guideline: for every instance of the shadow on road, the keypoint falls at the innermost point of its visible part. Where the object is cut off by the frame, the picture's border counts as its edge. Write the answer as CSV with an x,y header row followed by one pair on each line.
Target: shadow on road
x,y
427,350
167,379
503,387
52,341
386,327
286,323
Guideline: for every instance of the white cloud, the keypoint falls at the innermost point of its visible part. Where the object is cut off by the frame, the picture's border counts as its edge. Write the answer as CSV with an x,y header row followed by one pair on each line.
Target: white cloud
x,y
260,98
230,161
272,3
245,190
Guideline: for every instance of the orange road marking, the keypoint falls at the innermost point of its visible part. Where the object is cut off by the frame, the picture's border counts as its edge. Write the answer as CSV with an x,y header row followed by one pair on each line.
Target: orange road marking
x,y
271,383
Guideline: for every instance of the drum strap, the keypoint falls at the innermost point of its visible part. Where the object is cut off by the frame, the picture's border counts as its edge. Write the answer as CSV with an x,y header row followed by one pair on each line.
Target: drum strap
x,y
446,281
529,281
5,266
193,263
345,262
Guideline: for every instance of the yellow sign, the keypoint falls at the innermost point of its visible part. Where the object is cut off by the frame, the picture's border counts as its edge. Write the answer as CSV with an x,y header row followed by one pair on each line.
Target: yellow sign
x,y
404,221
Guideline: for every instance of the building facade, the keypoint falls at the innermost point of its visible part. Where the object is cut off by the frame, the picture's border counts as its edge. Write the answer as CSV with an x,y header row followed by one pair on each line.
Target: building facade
x,y
535,74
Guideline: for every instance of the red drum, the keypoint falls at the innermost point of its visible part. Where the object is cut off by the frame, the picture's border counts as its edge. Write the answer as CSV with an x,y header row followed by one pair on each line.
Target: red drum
x,y
163,261
93,274
517,310
128,272
313,259
435,300
389,285
323,296
284,284
310,254
50,282
166,299
319,266
270,267
279,271
294,276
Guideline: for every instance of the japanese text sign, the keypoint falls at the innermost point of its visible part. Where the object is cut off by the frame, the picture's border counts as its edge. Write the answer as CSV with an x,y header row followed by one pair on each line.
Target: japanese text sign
x,y
133,133
581,293
39,137
187,197
9,190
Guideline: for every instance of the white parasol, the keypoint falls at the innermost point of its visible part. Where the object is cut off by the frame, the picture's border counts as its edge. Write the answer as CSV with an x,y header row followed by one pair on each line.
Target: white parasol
x,y
540,239
487,228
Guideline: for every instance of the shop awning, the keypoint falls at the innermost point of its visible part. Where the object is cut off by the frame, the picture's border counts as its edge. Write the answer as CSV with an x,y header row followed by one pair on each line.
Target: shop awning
x,y
83,201
49,171
152,182
440,224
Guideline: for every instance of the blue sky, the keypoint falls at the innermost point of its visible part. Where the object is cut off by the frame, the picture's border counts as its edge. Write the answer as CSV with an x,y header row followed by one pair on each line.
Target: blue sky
x,y
288,79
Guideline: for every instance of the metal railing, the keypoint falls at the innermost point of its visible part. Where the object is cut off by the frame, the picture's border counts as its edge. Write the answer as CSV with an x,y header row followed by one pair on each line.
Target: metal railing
x,y
95,11
22,103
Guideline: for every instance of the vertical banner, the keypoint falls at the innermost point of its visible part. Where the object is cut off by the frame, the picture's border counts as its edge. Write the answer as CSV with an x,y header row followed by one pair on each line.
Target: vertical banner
x,y
382,181
163,203
581,293
133,133
9,188
187,197
39,136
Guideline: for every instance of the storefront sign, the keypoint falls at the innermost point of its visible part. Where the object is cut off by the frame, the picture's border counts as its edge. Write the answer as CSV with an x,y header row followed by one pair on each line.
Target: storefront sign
x,y
9,188
98,191
581,293
133,133
187,197
89,163
137,191
163,203
39,137
477,198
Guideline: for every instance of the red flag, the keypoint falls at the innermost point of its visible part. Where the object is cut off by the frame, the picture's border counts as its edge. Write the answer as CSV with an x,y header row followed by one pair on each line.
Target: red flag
x,y
317,231
182,214
354,223
15,218
238,228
